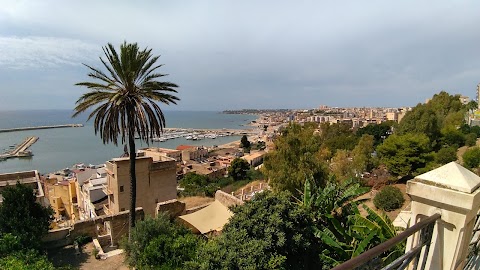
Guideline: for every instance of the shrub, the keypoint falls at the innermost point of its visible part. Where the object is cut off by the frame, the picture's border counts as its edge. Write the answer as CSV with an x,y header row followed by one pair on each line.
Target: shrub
x,y
158,243
471,139
471,158
389,198
446,155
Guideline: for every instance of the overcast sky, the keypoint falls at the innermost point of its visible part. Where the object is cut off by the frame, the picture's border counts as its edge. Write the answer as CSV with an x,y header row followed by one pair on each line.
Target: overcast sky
x,y
247,54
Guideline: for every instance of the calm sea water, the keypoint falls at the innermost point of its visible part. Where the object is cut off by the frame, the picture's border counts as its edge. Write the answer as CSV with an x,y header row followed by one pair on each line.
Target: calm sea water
x,y
63,147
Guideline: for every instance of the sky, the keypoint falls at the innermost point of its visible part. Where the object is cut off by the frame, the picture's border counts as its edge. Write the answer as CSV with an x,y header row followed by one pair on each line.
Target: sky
x,y
247,54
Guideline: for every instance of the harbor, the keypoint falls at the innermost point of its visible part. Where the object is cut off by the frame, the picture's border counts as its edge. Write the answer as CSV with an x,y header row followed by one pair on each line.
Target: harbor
x,y
20,150
39,127
199,134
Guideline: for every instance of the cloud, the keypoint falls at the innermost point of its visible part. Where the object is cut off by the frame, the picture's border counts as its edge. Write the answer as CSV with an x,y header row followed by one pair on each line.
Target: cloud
x,y
37,52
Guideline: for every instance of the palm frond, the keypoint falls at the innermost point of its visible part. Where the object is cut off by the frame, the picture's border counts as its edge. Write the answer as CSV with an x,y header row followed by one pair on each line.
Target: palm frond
x,y
127,94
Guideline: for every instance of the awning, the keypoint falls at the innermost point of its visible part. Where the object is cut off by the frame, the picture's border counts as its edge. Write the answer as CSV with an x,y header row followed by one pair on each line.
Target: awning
x,y
210,218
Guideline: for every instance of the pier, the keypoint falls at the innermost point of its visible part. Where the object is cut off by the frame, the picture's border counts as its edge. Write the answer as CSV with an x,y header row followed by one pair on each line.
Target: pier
x,y
21,149
39,127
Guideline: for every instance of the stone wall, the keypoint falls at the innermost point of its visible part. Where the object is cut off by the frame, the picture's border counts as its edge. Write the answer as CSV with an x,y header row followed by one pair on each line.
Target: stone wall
x,y
173,208
118,224
227,199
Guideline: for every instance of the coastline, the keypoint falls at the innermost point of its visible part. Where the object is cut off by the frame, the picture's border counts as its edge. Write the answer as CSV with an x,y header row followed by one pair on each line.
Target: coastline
x,y
61,148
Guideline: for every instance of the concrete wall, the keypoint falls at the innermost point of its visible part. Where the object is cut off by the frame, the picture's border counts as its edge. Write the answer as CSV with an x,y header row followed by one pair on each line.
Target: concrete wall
x,y
118,224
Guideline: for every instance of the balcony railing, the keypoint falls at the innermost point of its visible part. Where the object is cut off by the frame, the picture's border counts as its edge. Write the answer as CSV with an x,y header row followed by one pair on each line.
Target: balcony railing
x,y
106,210
106,190
371,259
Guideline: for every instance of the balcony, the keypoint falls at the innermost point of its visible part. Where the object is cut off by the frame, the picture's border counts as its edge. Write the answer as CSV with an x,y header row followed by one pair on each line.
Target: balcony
x,y
107,190
106,210
445,225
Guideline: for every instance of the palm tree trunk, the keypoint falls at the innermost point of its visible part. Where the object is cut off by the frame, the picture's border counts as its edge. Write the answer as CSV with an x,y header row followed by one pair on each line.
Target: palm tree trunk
x,y
133,177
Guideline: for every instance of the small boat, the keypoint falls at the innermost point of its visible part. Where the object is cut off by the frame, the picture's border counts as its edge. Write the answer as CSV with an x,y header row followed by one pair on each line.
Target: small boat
x,y
189,138
26,153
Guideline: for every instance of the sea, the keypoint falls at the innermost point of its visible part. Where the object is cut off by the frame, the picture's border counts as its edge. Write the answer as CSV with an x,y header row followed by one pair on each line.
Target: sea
x,y
63,147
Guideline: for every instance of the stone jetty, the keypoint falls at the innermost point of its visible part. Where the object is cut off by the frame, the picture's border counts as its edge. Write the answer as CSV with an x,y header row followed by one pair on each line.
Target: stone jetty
x,y
39,127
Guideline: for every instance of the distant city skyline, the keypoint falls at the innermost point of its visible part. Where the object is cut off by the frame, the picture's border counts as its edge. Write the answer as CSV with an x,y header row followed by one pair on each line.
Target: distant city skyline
x,y
228,55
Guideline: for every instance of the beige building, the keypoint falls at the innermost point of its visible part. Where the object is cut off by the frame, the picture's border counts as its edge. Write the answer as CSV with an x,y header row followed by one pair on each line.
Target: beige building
x,y
255,158
156,182
156,153
392,116
192,152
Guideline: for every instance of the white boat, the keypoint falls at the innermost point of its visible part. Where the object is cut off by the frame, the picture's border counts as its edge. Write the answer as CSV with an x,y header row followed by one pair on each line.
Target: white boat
x,y
189,138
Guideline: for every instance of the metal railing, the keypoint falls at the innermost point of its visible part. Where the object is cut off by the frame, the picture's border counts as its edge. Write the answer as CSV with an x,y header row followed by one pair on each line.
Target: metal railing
x,y
371,259
474,246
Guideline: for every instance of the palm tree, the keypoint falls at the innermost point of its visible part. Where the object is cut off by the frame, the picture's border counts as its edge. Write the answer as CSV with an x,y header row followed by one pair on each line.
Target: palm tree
x,y
124,101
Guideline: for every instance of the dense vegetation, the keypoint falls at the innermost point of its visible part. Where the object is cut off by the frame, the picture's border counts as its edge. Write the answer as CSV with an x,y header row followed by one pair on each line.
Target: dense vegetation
x,y
312,219
160,244
23,223
298,154
194,184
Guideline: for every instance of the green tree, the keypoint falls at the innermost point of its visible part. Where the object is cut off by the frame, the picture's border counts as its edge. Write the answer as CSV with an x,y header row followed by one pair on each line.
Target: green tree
x,y
29,260
362,154
193,183
341,165
421,120
125,100
471,157
337,136
238,169
22,217
269,232
446,155
244,142
443,111
471,139
297,154
379,131
158,243
452,137
405,154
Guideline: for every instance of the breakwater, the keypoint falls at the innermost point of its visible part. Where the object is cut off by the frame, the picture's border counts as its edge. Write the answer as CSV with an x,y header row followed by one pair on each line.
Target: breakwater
x,y
39,127
21,149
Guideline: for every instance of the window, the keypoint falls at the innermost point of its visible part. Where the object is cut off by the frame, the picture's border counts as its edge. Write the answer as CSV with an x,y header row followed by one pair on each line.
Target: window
x,y
121,188
123,209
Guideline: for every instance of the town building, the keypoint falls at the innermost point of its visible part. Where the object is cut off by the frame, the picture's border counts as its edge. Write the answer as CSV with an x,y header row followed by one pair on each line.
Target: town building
x,y
255,158
91,194
28,178
156,153
156,182
63,199
190,152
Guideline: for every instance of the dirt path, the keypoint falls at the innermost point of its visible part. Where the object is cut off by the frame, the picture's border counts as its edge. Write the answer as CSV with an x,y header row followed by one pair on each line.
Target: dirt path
x,y
392,214
86,260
